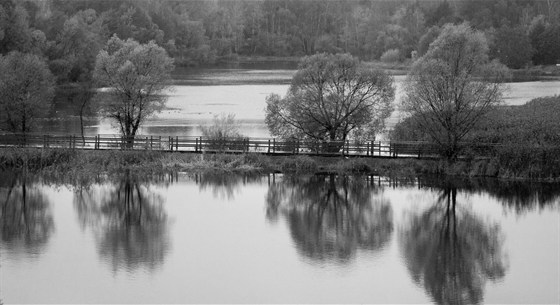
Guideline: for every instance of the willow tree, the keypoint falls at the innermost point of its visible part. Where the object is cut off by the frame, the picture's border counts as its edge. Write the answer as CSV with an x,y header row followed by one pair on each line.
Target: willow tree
x,y
452,86
332,98
137,75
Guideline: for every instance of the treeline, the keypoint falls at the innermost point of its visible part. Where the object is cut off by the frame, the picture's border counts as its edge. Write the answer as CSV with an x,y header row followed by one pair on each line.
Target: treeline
x,y
69,34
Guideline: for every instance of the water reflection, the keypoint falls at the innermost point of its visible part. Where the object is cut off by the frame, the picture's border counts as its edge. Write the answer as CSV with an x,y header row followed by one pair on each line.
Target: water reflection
x,y
519,196
224,185
331,217
452,252
130,224
25,217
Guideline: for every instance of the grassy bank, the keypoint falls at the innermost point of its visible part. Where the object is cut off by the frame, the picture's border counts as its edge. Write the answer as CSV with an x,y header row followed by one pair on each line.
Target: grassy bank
x,y
76,164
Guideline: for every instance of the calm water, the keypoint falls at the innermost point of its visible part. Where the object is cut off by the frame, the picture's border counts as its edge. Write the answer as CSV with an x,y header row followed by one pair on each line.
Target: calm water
x,y
199,94
251,239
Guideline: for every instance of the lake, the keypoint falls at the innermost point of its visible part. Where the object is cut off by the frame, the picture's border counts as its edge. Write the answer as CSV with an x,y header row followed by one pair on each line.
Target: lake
x,y
203,238
199,94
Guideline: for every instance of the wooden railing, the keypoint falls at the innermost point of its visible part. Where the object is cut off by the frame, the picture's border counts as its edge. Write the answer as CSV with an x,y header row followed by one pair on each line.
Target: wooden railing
x,y
239,145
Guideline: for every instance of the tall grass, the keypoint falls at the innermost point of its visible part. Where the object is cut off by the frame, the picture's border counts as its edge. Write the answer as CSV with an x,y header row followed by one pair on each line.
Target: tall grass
x,y
87,165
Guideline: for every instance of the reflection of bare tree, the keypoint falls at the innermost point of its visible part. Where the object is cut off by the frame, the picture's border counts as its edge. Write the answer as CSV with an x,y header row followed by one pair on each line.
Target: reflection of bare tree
x,y
25,217
331,217
130,224
452,252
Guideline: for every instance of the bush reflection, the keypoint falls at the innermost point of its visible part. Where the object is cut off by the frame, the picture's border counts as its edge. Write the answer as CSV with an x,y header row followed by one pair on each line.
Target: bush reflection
x,y
224,185
331,217
129,221
451,251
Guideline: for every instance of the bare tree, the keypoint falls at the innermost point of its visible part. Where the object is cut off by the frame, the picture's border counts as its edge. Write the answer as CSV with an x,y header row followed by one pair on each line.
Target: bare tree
x,y
452,86
330,97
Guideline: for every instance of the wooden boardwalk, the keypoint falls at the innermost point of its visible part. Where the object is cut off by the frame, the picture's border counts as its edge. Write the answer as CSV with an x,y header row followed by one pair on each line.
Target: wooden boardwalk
x,y
270,146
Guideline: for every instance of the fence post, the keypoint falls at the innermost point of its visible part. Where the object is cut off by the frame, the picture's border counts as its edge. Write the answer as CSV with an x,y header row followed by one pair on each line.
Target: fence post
x,y
151,143
274,145
170,143
177,143
196,145
268,151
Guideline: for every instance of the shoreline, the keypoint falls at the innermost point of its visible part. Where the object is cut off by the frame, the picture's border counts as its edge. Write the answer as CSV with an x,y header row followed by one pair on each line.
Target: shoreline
x,y
548,72
80,165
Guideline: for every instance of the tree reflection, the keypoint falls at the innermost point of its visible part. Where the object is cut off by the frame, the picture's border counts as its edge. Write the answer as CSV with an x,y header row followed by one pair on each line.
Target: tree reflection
x,y
25,217
130,224
331,217
519,196
452,252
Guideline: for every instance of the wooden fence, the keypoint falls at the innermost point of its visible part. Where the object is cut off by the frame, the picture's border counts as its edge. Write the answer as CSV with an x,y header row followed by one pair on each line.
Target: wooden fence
x,y
240,145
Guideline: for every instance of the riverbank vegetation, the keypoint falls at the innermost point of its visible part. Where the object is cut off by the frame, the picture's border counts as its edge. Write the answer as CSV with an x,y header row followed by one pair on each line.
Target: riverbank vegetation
x,y
526,139
84,164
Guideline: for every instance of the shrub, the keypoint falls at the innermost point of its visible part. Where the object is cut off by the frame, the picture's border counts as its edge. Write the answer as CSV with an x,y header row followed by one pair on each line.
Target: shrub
x,y
223,134
391,56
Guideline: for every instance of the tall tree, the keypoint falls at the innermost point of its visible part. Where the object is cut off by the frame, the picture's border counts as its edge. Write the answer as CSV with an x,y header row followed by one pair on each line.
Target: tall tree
x,y
15,34
26,90
545,39
512,47
452,86
330,97
77,45
137,75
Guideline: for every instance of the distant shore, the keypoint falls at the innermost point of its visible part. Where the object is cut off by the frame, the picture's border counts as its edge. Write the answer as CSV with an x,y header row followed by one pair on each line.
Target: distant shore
x,y
534,73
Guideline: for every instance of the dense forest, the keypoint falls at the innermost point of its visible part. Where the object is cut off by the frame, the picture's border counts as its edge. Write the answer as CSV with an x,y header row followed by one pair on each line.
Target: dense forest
x,y
69,34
